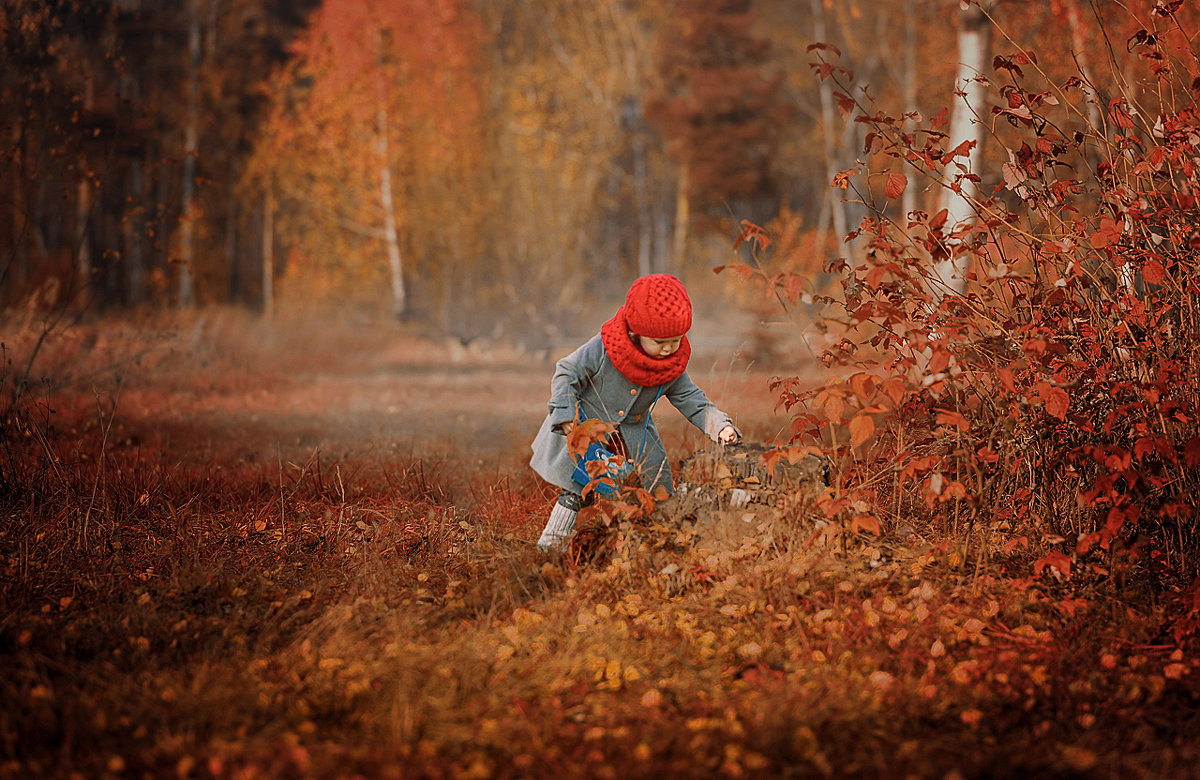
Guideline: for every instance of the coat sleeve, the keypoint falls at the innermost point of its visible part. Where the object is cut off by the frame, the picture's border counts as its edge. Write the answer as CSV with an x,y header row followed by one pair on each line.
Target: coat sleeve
x,y
693,404
571,375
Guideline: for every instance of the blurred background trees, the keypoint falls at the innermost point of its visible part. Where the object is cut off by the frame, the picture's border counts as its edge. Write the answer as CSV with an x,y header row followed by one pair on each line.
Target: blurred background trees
x,y
485,167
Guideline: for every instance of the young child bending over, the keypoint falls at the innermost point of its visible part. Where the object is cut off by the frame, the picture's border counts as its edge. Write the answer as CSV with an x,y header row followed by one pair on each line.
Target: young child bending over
x,y
640,355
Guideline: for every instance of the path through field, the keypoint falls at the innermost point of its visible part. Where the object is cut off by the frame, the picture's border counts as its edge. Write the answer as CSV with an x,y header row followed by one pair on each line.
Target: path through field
x,y
378,398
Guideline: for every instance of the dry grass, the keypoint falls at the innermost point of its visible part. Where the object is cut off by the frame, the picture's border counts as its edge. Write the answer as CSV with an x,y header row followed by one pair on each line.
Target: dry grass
x,y
197,607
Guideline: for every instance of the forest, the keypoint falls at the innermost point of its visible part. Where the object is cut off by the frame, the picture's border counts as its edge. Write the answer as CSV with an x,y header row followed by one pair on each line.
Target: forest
x,y
282,288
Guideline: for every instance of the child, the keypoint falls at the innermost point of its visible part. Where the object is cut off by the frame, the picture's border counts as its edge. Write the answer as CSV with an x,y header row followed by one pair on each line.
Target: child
x,y
617,377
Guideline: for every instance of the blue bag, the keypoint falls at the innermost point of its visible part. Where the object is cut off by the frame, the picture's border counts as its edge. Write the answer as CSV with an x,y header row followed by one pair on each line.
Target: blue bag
x,y
608,484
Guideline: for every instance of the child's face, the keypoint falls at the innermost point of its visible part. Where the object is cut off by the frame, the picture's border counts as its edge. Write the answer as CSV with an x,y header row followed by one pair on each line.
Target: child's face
x,y
659,348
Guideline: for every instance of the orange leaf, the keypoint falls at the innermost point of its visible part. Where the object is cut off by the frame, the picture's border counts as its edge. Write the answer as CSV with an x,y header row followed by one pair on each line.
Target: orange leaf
x,y
863,385
896,182
862,428
865,522
948,417
895,390
584,433
939,361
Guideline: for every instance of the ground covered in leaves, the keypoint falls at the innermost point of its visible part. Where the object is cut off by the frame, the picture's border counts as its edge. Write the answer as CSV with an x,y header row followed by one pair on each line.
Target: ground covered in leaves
x,y
292,555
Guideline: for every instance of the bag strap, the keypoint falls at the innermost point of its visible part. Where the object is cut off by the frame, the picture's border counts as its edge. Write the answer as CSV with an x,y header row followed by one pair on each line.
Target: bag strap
x,y
645,426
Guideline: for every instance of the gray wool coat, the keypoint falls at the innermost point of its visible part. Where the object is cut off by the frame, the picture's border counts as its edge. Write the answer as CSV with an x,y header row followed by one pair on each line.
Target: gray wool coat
x,y
588,378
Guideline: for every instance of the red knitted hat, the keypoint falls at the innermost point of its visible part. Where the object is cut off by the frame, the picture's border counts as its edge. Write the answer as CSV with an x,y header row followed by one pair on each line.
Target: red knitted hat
x,y
658,307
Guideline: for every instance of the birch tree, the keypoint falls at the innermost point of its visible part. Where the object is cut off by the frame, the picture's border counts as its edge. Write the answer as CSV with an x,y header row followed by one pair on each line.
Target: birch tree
x,y
966,135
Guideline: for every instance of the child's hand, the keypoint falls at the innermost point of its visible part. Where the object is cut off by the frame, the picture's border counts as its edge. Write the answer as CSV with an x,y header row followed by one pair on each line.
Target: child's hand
x,y
728,435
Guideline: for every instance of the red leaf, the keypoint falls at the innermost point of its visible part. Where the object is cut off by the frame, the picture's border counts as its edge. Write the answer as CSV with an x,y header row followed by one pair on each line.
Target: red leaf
x,y
1056,401
1005,375
947,417
743,271
1012,544
1055,560
896,182
1120,117
845,104
939,361
1153,272
875,276
1191,452
962,150
1109,232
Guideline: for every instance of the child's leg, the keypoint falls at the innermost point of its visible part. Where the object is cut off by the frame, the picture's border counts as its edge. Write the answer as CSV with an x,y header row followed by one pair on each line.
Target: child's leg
x,y
561,524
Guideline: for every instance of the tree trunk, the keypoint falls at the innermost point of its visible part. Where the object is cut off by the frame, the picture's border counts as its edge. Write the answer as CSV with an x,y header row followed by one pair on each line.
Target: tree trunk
x,y
83,209
132,227
908,201
682,219
833,204
391,237
231,249
959,198
645,221
268,254
187,284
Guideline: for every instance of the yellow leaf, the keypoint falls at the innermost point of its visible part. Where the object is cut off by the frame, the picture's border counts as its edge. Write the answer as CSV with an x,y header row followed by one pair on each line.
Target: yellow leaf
x,y
652,698
750,650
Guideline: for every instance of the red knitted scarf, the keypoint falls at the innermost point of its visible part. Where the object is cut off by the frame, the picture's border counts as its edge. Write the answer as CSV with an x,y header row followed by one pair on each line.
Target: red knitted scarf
x,y
636,365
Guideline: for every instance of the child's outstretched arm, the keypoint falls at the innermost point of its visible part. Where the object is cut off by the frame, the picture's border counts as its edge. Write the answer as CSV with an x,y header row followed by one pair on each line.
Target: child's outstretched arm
x,y
693,404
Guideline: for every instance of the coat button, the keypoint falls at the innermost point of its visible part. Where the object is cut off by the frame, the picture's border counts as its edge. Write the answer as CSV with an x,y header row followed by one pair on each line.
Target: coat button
x,y
621,413
633,391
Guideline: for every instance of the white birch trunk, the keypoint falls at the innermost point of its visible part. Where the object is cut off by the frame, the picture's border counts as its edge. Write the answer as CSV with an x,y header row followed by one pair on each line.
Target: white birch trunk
x,y
965,125
908,201
833,202
390,234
